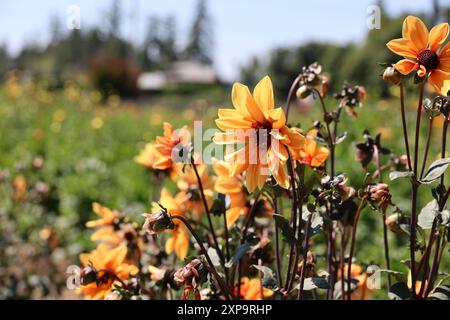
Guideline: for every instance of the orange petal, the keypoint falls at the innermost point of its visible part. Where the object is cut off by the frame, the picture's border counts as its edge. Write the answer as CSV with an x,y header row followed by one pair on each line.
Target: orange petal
x,y
278,118
281,177
445,53
416,31
252,177
403,47
243,102
422,71
233,123
263,94
440,81
438,34
405,66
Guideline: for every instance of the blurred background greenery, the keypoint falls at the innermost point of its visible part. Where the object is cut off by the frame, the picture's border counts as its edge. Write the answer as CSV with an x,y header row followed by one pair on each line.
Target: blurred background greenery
x,y
75,112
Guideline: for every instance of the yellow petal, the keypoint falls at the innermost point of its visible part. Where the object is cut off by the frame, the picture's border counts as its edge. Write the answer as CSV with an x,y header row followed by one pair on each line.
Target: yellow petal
x,y
232,215
263,94
405,66
438,34
416,31
233,123
281,177
278,118
252,177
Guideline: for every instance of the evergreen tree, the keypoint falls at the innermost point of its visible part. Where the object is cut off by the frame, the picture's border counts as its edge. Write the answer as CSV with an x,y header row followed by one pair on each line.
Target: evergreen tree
x,y
200,43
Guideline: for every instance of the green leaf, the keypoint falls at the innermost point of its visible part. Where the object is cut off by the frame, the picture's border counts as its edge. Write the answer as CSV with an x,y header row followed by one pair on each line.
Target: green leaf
x,y
436,170
399,291
315,283
268,277
400,174
428,214
240,251
286,230
440,293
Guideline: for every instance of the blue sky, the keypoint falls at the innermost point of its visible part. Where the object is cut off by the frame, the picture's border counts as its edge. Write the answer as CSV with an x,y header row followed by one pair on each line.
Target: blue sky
x,y
242,27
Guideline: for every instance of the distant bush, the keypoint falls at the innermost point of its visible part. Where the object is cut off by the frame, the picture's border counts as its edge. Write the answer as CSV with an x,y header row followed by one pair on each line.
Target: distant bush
x,y
111,75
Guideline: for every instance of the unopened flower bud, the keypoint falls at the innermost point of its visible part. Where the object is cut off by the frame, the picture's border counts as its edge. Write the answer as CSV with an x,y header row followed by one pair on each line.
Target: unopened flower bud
x,y
392,222
303,92
158,222
88,275
380,194
391,75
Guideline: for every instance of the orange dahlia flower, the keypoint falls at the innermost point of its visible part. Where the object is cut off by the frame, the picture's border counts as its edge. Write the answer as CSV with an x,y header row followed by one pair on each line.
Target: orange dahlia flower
x,y
232,187
253,114
251,289
313,154
106,224
420,48
110,265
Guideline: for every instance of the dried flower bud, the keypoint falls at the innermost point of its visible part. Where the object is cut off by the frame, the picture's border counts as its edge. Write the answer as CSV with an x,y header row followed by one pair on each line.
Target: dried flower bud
x,y
392,222
303,92
310,270
311,78
88,275
158,222
380,194
391,75
191,274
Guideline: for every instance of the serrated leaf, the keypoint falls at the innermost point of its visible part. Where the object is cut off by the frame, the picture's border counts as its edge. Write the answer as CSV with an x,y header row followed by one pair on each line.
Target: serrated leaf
x,y
436,170
393,175
399,291
268,277
240,251
428,214
286,230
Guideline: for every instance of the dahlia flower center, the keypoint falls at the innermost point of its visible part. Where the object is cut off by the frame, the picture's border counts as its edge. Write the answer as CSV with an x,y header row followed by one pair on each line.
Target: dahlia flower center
x,y
429,59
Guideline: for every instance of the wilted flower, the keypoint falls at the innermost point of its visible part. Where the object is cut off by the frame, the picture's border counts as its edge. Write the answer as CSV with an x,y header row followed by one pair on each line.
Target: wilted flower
x,y
336,187
257,116
158,222
310,265
365,152
190,277
351,97
379,194
400,163
420,48
311,77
